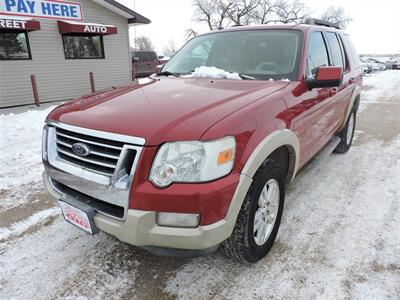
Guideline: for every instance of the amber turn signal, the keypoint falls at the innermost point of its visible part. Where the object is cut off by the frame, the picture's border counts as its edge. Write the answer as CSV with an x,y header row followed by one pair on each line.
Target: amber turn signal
x,y
225,156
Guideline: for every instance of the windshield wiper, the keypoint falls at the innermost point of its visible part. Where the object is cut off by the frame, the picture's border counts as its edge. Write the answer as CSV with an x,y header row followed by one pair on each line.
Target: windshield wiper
x,y
168,73
246,77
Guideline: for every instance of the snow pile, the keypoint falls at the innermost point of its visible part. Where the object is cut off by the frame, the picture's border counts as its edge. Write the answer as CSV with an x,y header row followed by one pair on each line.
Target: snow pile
x,y
213,72
20,147
21,158
282,79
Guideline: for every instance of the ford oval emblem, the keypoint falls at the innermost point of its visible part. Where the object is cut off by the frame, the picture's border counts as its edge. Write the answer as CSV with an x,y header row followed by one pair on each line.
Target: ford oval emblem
x,y
80,149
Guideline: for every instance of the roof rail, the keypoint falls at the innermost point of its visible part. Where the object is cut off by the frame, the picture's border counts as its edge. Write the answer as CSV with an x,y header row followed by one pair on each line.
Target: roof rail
x,y
313,21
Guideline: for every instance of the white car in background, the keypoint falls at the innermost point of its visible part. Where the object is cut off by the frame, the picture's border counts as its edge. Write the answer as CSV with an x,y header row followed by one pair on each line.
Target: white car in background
x,y
377,65
365,68
372,67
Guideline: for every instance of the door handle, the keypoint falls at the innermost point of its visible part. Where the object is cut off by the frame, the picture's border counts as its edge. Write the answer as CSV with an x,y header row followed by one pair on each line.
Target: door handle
x,y
333,92
351,80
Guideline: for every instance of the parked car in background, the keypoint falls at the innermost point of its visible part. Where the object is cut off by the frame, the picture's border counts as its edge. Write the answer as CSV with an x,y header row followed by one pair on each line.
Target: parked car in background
x,y
366,68
165,58
374,66
382,65
395,64
144,63
382,61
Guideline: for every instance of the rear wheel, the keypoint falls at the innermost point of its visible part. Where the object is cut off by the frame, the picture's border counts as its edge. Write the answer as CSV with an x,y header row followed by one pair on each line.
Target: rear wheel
x,y
347,134
260,215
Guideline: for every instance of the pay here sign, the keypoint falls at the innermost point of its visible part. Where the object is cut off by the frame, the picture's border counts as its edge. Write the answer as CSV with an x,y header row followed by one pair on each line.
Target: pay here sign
x,y
52,9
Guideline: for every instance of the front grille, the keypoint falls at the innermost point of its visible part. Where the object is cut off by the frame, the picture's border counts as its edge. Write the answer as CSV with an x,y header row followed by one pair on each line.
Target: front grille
x,y
99,205
104,153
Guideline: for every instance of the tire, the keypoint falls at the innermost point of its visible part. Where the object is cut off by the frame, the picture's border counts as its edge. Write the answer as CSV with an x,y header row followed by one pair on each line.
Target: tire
x,y
346,134
244,244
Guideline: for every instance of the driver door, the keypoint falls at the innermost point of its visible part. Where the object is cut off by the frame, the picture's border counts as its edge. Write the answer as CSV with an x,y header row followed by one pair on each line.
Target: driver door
x,y
313,125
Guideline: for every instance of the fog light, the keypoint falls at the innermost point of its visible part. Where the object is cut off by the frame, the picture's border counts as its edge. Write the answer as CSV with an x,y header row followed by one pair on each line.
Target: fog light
x,y
177,219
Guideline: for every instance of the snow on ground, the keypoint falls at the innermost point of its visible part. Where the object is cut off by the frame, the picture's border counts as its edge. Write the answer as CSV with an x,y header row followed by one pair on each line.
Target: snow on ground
x,y
339,237
377,87
20,148
18,228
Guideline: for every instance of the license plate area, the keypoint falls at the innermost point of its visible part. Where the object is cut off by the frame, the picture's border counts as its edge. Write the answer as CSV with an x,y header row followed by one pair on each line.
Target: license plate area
x,y
79,215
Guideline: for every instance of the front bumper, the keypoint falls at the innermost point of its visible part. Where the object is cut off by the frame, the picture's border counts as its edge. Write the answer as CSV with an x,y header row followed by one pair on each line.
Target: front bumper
x,y
139,228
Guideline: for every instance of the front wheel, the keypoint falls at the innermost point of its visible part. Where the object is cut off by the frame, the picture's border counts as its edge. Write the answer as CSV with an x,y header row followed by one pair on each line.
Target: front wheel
x,y
260,215
346,134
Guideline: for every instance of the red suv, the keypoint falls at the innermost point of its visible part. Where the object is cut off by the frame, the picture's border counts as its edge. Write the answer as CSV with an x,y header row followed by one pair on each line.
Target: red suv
x,y
198,157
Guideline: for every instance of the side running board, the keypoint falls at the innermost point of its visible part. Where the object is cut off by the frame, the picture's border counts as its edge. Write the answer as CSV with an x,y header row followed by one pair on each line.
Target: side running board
x,y
315,161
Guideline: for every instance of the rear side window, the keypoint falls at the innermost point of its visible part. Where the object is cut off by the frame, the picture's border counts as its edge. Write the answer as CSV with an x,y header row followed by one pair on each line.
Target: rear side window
x,y
142,56
336,50
152,56
317,53
353,53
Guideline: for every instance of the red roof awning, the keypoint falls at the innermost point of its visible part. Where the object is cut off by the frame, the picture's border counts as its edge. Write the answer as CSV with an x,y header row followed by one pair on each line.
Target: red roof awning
x,y
19,24
88,28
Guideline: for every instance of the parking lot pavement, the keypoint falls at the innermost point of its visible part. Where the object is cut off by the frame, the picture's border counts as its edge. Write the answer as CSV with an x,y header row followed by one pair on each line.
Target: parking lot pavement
x,y
339,236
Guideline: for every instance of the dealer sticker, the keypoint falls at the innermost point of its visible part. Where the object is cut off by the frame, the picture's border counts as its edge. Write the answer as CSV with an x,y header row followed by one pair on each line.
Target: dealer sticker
x,y
76,217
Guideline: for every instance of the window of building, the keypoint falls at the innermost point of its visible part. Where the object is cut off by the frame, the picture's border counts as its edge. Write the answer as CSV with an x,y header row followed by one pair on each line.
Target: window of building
x,y
83,46
14,45
317,53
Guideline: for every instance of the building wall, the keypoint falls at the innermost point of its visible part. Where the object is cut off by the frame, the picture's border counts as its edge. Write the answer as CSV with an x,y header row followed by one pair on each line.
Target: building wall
x,y
59,78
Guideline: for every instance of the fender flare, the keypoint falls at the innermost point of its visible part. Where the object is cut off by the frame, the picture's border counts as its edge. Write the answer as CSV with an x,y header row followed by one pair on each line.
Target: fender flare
x,y
275,140
356,94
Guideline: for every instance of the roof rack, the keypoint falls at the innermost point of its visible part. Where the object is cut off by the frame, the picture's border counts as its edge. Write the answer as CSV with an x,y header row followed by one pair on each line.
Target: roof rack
x,y
313,21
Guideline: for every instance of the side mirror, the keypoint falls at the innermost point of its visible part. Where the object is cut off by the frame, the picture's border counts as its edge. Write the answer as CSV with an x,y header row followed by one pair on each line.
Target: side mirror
x,y
158,69
326,77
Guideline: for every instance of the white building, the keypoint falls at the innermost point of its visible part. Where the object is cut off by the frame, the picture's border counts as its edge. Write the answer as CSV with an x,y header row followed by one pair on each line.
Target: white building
x,y
60,42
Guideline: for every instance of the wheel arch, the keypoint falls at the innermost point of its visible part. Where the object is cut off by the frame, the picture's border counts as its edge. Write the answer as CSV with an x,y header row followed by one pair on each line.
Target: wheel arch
x,y
354,103
283,138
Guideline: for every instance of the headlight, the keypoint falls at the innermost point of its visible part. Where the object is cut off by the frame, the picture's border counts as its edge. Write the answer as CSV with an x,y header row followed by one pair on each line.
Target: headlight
x,y
193,161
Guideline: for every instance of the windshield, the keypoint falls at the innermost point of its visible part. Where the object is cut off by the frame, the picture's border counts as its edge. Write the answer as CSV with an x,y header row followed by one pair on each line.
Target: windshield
x,y
259,54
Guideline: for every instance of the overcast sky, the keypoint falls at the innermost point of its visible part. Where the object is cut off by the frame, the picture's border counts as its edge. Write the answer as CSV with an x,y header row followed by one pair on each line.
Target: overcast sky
x,y
375,29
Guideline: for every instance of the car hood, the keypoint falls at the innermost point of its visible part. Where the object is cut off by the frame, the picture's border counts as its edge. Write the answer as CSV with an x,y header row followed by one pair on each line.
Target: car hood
x,y
164,109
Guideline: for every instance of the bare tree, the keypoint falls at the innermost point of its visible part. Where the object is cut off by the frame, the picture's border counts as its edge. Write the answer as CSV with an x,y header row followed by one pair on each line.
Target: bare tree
x,y
221,13
336,15
144,43
215,13
242,11
266,11
170,48
290,11
190,33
